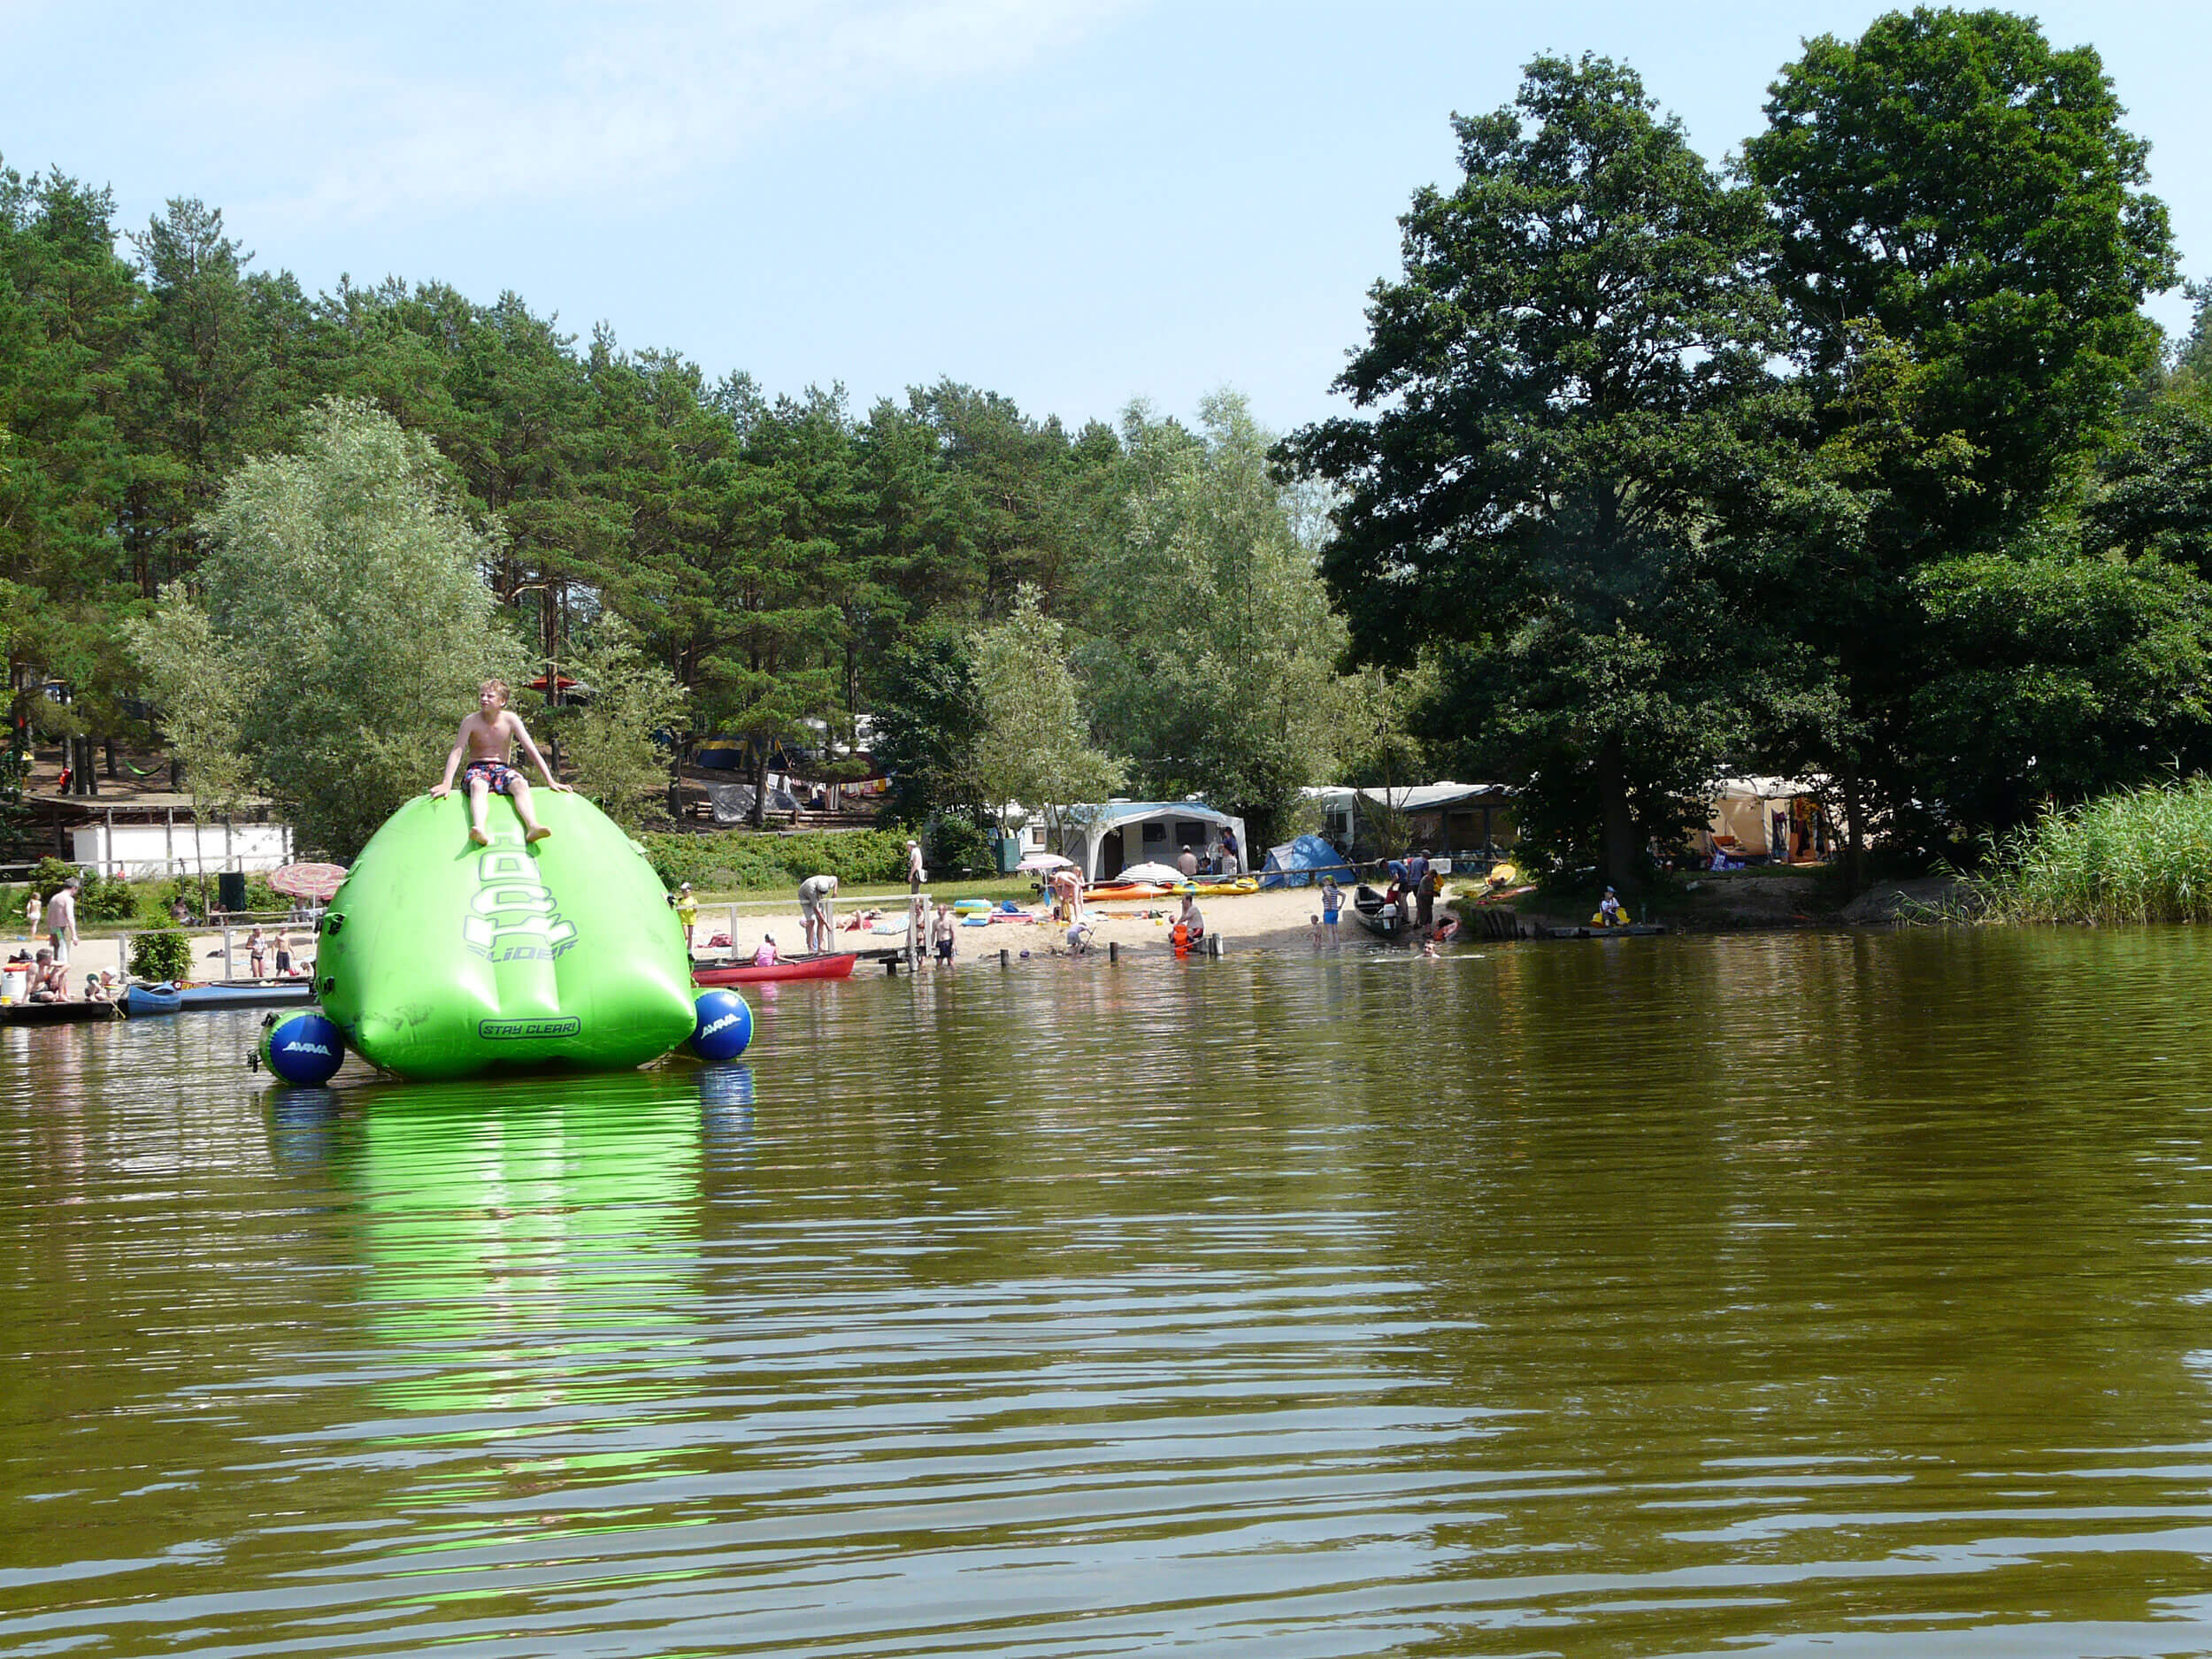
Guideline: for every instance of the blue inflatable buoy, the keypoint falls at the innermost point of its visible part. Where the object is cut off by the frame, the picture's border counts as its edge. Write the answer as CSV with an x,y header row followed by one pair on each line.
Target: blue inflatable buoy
x,y
724,1025
305,1049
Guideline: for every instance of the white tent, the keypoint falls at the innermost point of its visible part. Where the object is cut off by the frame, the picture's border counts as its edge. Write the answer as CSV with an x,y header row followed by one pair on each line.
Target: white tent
x,y
1752,815
1105,838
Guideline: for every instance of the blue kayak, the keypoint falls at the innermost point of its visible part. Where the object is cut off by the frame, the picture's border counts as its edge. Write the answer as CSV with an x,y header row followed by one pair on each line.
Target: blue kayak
x,y
164,998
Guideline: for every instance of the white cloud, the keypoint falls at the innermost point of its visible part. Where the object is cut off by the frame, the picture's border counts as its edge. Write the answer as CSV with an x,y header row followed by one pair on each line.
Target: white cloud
x,y
604,104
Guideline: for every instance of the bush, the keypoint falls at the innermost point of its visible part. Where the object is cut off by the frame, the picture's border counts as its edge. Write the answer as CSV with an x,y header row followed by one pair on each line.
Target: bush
x,y
155,897
101,898
956,849
166,955
742,859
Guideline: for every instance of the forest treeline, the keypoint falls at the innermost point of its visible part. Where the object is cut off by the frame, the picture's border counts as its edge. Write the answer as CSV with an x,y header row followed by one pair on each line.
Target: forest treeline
x,y
1854,457
793,564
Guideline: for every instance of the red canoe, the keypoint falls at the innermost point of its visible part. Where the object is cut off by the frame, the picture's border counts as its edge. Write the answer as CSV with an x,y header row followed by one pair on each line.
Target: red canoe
x,y
799,968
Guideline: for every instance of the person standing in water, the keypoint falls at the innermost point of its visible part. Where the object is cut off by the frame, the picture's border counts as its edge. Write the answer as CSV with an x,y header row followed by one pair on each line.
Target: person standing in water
x,y
487,737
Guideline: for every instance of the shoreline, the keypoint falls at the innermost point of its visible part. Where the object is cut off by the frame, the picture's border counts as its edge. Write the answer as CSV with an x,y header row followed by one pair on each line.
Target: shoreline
x,y
1283,920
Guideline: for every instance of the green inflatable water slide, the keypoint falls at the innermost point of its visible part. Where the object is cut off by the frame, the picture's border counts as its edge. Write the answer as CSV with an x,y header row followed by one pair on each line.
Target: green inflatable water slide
x,y
440,958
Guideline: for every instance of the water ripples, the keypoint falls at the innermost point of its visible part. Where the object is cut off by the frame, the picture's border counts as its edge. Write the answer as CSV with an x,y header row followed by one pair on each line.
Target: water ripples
x,y
1734,1296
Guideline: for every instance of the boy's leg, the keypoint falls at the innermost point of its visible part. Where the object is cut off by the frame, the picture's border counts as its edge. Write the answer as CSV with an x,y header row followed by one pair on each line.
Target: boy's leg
x,y
479,792
519,792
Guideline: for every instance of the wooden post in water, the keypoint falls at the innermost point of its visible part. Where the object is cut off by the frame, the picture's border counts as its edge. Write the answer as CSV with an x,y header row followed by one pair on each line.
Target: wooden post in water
x,y
1004,958
1113,950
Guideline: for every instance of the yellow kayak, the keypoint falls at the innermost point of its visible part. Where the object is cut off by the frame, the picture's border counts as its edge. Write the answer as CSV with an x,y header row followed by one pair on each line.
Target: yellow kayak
x,y
1225,889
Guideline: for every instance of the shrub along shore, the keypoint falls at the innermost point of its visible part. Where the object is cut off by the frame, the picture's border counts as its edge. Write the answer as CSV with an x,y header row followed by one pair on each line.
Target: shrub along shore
x,y
2138,855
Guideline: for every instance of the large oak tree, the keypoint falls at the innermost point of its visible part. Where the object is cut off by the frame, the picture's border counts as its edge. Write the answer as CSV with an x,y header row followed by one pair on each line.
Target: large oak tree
x,y
1568,365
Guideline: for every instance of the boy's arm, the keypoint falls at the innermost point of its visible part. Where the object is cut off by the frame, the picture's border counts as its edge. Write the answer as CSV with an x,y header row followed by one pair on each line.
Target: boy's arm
x,y
522,736
444,785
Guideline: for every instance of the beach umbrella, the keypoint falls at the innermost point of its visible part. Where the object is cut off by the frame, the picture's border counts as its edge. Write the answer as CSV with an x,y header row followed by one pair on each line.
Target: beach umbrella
x,y
1036,864
1157,874
308,881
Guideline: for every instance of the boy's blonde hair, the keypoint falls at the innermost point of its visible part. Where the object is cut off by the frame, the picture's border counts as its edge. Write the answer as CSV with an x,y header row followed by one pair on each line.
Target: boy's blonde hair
x,y
506,692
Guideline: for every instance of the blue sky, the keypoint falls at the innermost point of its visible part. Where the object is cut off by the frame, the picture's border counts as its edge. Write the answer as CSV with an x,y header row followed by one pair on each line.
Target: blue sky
x,y
1072,204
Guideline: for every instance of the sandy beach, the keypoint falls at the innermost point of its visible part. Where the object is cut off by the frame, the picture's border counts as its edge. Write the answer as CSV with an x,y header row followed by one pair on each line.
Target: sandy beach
x,y
1284,921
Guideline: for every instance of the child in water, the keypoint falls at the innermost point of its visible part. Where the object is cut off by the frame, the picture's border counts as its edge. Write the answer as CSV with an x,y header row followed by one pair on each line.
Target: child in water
x,y
489,736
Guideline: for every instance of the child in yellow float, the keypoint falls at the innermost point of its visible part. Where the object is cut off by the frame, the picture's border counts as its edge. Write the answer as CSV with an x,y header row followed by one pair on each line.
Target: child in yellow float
x,y
487,737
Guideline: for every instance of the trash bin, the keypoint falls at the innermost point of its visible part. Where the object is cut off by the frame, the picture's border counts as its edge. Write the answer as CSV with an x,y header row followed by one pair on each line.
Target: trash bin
x,y
1009,854
230,889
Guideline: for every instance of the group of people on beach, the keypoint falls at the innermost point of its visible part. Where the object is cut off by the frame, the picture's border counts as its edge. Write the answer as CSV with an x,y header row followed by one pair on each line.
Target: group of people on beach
x,y
1222,857
261,946
46,973
1416,884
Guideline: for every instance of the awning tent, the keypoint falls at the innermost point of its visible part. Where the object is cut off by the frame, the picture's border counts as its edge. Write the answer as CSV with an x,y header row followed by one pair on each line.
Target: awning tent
x,y
1464,819
1303,863
1105,838
1745,812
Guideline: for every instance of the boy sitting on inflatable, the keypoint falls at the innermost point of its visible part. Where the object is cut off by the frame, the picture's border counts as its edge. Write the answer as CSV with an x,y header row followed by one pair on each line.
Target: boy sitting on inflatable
x,y
489,736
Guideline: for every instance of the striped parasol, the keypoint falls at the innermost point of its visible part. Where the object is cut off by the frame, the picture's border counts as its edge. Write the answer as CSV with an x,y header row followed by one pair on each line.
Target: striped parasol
x,y
308,881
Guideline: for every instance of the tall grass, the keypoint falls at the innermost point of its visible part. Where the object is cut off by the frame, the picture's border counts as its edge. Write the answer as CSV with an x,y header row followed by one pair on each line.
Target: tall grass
x,y
2140,855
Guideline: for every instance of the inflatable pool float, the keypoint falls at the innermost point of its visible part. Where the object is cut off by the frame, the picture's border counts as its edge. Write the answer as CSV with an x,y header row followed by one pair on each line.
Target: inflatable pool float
x,y
440,958
837,967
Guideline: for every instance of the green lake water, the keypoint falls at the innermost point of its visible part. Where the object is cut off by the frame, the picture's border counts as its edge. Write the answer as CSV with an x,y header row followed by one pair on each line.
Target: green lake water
x,y
1819,1293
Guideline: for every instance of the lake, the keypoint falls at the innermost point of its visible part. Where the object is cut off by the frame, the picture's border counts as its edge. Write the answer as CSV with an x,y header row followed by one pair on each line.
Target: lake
x,y
1823,1292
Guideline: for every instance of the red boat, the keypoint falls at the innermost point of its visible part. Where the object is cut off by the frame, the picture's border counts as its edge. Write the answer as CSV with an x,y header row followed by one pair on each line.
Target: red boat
x,y
836,967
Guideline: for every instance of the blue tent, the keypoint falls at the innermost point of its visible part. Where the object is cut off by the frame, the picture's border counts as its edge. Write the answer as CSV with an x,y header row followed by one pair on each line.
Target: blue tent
x,y
1303,863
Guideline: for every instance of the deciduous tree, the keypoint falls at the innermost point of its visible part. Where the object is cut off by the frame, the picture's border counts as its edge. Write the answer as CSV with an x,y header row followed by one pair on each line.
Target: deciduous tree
x,y
1035,745
342,614
1571,364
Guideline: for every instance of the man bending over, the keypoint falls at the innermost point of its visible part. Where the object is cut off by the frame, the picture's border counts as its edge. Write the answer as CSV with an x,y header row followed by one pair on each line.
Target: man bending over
x,y
487,737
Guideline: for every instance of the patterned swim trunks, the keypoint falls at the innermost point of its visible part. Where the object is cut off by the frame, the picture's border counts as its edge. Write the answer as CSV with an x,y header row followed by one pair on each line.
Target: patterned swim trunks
x,y
498,774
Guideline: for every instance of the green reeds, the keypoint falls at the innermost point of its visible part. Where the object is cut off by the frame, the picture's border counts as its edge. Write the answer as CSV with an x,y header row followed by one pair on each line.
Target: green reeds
x,y
2140,855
